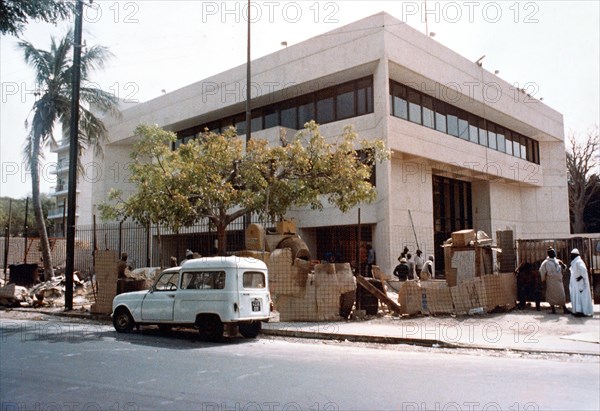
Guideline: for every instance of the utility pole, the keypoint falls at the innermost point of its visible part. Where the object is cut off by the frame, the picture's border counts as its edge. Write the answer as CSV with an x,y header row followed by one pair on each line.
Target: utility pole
x,y
248,216
7,236
248,92
72,194
25,229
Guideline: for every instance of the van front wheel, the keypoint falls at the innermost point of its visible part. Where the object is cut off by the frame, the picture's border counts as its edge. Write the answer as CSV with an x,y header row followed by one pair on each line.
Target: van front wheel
x,y
251,329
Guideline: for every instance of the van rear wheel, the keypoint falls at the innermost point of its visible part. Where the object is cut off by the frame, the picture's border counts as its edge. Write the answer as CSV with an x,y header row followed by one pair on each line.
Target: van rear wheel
x,y
250,330
210,327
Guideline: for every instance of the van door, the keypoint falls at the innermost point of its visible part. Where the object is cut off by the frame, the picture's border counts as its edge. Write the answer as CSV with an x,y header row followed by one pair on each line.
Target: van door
x,y
159,302
253,294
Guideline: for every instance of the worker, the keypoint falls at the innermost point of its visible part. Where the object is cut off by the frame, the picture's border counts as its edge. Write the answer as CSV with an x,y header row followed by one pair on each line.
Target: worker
x,y
402,271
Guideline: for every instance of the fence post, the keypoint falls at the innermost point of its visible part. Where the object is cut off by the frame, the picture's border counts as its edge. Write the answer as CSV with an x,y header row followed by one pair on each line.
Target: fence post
x,y
148,259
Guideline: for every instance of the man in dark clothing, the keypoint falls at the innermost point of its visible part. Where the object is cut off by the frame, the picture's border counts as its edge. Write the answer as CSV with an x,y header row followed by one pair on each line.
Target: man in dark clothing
x,y
402,271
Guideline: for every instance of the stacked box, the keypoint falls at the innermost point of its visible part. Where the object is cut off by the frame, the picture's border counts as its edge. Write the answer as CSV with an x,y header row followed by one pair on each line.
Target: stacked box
x,y
284,277
469,295
462,238
438,297
346,280
509,283
495,293
299,308
106,276
328,292
410,298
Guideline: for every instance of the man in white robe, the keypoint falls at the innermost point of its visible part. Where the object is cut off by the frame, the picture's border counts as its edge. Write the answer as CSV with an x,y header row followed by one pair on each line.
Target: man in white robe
x,y
579,287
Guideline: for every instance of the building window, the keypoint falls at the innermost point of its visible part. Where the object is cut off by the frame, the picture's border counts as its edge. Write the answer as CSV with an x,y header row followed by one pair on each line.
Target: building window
x,y
414,106
289,115
306,111
399,103
428,113
350,99
500,139
440,116
325,107
345,105
492,138
420,108
463,125
452,119
483,136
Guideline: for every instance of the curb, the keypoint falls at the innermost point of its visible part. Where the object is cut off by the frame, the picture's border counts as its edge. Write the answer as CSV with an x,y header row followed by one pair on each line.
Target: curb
x,y
375,339
359,338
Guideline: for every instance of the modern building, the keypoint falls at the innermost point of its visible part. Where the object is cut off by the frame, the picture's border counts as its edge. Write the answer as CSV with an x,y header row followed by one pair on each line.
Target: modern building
x,y
469,150
83,214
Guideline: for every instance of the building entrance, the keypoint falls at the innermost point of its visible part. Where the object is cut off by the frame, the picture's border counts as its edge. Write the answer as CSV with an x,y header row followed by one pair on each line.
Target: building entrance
x,y
452,211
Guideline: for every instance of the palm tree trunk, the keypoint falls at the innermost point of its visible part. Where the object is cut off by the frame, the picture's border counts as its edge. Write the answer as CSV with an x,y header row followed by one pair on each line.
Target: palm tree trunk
x,y
37,208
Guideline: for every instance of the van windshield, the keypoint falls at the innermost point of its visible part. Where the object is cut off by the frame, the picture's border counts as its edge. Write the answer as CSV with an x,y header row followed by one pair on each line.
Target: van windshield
x,y
254,279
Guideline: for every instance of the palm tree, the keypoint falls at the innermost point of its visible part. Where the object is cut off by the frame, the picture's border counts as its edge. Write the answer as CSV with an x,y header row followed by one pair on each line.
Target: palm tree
x,y
53,77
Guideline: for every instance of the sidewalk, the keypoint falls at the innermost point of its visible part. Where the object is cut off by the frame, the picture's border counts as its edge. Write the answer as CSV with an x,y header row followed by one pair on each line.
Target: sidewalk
x,y
527,330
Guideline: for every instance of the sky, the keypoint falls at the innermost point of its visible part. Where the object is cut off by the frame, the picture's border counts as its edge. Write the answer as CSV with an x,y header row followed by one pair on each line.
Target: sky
x,y
550,48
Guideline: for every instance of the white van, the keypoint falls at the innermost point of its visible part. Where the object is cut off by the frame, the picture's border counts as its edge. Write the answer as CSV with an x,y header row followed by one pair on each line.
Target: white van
x,y
206,293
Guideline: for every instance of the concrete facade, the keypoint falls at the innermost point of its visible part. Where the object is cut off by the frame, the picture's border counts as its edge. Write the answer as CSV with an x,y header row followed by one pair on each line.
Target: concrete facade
x,y
508,192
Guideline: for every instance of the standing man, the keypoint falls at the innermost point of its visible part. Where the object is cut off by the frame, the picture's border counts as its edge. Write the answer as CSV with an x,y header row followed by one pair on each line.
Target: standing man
x,y
370,261
419,261
411,267
551,273
428,271
579,287
402,271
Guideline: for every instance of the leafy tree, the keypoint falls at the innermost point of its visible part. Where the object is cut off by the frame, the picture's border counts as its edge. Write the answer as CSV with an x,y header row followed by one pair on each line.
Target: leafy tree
x,y
217,178
15,14
17,221
583,180
53,76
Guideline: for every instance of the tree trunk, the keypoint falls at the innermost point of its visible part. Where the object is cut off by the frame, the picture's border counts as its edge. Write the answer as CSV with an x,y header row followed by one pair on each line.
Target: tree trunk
x,y
578,220
37,209
222,239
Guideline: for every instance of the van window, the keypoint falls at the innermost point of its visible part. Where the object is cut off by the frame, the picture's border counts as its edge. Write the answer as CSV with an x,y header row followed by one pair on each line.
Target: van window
x,y
203,280
167,282
254,279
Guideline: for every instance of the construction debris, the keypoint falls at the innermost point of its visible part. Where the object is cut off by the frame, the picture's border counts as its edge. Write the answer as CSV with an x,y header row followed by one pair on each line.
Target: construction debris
x,y
50,293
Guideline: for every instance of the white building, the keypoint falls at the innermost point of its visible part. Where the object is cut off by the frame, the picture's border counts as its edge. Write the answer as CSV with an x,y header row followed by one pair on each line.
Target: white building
x,y
469,150
83,213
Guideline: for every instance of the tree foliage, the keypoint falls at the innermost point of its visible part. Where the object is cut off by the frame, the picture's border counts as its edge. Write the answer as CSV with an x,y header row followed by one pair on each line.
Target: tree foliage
x,y
219,178
583,160
15,14
17,220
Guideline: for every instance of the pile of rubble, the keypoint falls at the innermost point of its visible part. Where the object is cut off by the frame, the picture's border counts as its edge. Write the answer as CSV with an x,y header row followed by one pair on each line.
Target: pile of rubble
x,y
46,294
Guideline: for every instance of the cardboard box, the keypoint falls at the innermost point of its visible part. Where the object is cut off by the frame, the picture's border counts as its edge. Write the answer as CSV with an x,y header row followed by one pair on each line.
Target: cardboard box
x,y
286,227
462,238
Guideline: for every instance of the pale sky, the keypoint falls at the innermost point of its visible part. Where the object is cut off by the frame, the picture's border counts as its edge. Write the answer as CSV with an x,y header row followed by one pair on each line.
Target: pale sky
x,y
549,47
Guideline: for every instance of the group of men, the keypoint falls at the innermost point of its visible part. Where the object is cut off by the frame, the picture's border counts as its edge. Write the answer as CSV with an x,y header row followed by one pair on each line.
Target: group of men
x,y
414,269
551,272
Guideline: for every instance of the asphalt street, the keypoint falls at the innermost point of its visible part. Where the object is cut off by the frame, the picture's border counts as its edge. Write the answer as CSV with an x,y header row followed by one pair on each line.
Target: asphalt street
x,y
69,365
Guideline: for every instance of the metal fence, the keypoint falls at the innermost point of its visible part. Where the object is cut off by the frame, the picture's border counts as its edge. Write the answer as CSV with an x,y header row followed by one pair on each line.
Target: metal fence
x,y
141,243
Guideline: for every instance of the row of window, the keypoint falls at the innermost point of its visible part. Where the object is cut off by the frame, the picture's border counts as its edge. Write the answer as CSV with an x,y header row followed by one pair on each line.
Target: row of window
x,y
339,102
417,107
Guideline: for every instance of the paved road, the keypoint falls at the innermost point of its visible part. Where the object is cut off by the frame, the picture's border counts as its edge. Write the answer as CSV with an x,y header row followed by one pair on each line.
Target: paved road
x,y
65,365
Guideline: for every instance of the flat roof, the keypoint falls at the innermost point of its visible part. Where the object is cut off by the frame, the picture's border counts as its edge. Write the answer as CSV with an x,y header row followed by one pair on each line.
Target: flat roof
x,y
223,262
